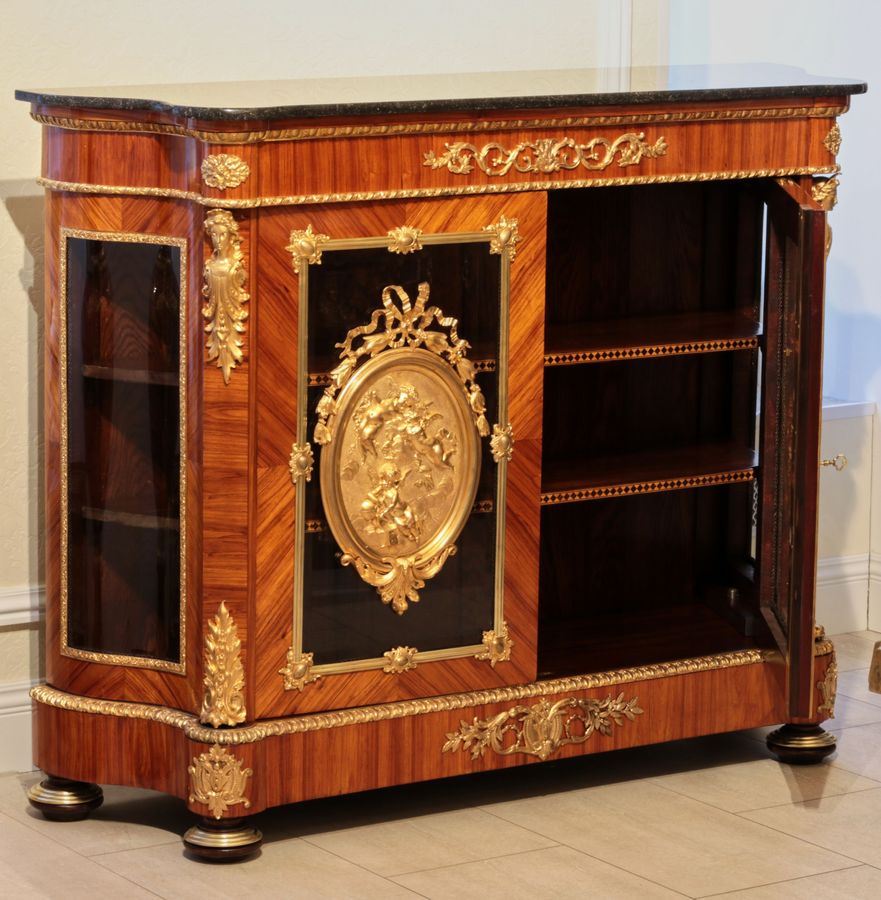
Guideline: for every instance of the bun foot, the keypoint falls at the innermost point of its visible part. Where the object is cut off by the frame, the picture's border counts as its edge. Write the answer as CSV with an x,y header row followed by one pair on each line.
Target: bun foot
x,y
222,839
65,801
801,744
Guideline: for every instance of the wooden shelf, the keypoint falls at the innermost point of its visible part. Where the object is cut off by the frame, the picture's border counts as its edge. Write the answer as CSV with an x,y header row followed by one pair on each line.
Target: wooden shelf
x,y
646,473
606,642
133,376
647,338
133,520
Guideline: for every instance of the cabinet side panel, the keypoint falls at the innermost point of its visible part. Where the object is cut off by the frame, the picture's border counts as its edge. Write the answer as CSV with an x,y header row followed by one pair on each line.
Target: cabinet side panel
x,y
120,215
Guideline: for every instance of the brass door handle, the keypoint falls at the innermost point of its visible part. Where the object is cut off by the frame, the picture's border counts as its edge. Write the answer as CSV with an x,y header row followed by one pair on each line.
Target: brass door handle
x,y
838,462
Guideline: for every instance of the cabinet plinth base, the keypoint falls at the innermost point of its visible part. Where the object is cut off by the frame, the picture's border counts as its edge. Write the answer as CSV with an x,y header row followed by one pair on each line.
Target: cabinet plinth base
x,y
222,839
65,801
801,744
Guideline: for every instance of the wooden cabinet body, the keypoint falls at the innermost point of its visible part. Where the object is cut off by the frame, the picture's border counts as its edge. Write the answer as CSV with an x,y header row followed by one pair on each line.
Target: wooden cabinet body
x,y
294,355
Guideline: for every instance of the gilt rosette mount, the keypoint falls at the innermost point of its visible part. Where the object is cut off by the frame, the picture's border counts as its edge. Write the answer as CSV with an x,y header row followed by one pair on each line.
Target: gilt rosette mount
x,y
400,427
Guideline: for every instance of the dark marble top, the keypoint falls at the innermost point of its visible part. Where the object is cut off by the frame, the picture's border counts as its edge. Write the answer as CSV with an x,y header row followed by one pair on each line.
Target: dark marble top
x,y
389,95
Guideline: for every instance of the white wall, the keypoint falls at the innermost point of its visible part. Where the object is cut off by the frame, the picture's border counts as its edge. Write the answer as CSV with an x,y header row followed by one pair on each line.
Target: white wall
x,y
832,39
93,42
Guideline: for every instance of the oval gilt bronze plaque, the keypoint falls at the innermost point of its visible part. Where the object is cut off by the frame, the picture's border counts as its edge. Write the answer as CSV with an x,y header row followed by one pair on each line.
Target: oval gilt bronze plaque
x,y
400,476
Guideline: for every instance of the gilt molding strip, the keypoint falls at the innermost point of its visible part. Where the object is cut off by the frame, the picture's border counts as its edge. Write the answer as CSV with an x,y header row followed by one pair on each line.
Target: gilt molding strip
x,y
250,734
178,666
52,184
649,351
575,495
324,132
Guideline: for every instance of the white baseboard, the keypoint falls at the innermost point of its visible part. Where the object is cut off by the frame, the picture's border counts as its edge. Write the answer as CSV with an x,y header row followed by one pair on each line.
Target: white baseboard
x,y
842,602
15,727
875,592
21,605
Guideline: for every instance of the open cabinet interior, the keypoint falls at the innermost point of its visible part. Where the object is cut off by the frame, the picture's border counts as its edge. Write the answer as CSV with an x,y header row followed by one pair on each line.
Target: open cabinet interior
x,y
652,392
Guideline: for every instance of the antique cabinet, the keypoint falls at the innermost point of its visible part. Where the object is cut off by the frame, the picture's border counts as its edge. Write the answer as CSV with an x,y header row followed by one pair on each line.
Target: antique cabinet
x,y
399,429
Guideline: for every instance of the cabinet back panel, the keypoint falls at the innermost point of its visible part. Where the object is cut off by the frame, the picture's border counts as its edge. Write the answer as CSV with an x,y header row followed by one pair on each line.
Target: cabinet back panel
x,y
607,408
652,250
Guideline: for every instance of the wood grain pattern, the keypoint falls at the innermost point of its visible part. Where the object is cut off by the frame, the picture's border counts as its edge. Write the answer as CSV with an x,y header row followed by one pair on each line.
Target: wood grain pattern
x,y
277,430
241,502
393,163
358,757
127,215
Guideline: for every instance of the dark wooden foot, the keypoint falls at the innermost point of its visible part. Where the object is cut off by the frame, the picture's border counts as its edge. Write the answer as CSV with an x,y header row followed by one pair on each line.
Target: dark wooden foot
x,y
65,801
801,744
219,839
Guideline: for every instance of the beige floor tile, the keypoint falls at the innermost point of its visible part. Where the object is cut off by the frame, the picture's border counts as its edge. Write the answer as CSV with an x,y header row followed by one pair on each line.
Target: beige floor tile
x,y
130,818
34,866
765,782
849,824
850,712
539,875
670,839
859,751
426,842
854,650
859,883
855,684
289,868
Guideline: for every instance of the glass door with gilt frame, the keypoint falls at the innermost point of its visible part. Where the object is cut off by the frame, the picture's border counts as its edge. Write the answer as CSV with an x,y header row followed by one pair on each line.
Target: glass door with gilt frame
x,y
414,417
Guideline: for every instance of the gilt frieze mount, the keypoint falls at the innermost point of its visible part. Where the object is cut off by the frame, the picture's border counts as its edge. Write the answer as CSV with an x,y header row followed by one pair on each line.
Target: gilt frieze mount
x,y
545,156
542,729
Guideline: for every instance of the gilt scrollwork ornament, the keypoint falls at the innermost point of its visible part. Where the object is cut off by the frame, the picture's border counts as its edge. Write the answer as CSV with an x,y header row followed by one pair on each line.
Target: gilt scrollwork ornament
x,y
301,462
305,247
832,141
828,688
224,170
545,155
218,780
505,237
224,701
404,240
541,730
400,426
399,659
497,646
224,277
297,673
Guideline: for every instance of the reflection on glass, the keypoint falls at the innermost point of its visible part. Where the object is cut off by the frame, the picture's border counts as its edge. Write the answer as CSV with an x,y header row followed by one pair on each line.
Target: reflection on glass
x,y
123,444
343,617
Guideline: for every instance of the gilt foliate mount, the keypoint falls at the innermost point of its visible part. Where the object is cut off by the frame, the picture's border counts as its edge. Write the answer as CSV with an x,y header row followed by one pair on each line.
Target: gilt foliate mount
x,y
400,427
542,729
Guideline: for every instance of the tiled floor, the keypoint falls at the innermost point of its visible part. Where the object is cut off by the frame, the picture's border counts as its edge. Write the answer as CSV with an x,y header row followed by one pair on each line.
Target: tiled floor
x,y
708,817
